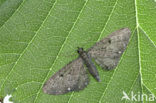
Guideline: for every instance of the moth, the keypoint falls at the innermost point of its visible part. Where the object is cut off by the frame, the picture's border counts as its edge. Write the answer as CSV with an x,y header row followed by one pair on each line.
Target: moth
x,y
74,76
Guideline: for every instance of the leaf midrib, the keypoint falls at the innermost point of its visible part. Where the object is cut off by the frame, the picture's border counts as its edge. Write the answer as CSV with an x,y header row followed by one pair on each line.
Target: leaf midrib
x,y
137,26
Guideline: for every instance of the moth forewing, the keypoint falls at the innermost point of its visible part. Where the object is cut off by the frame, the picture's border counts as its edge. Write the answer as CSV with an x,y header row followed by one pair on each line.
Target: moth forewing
x,y
107,52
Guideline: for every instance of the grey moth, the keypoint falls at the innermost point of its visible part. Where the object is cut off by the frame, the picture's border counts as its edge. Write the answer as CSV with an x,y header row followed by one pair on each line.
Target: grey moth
x,y
74,76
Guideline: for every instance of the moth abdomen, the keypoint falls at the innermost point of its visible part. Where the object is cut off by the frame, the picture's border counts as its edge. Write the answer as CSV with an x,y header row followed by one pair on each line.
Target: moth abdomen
x,y
89,64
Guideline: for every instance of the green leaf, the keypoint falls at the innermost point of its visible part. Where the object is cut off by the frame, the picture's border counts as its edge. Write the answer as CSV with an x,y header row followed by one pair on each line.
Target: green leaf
x,y
37,38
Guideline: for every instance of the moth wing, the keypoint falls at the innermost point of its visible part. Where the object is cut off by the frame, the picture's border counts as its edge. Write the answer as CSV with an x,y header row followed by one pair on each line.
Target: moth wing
x,y
72,77
108,51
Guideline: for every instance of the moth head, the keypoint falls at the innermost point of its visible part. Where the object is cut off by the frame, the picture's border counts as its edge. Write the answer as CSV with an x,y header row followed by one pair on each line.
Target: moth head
x,y
80,50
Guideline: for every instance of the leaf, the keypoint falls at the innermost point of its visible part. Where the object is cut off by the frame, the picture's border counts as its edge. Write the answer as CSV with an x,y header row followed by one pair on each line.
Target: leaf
x,y
36,36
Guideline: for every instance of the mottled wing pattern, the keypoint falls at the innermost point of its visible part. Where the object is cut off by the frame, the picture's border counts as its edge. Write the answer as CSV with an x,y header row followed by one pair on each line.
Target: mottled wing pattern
x,y
72,77
108,51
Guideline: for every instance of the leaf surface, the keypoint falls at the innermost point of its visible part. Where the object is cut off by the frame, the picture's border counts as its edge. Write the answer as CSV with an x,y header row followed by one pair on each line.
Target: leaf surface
x,y
37,38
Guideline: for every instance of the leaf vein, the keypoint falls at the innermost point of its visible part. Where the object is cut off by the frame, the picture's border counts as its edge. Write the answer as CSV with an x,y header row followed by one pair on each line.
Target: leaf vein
x,y
60,50
13,13
24,50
